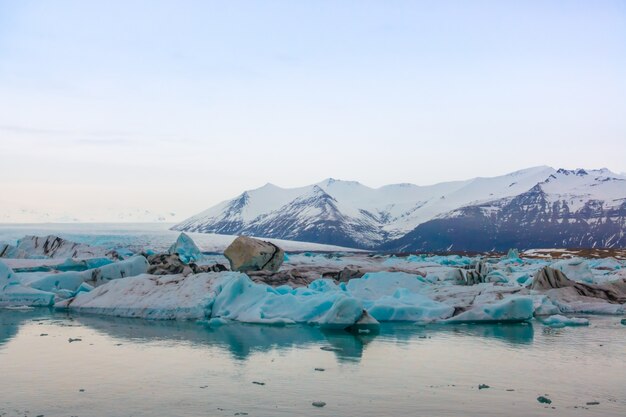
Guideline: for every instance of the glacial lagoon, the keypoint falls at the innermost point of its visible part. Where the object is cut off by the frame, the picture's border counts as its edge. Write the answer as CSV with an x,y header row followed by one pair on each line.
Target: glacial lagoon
x,y
60,364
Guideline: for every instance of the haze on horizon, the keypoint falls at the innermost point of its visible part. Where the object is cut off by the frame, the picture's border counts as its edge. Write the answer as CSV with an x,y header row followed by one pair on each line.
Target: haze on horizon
x,y
175,106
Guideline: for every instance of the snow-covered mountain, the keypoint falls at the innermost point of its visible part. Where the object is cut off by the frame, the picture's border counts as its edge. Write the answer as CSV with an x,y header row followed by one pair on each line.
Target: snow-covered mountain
x,y
586,208
571,209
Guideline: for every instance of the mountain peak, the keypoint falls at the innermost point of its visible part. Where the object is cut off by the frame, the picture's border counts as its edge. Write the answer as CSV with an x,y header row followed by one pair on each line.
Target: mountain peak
x,y
578,172
328,182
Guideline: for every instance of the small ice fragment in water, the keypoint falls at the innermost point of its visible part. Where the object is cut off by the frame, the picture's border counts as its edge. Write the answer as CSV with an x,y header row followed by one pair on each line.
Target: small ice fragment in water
x,y
544,400
318,403
330,349
623,322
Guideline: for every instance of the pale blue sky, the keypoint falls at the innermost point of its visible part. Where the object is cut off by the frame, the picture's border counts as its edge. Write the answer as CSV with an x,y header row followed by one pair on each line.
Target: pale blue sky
x,y
177,105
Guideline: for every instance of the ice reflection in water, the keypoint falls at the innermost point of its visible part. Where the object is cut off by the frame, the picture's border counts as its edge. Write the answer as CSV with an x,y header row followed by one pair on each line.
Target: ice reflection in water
x,y
138,367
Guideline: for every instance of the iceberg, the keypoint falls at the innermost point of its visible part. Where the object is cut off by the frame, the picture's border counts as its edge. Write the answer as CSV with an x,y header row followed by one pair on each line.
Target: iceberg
x,y
373,285
18,295
12,293
512,309
242,300
53,247
72,280
226,296
164,297
575,269
186,249
405,305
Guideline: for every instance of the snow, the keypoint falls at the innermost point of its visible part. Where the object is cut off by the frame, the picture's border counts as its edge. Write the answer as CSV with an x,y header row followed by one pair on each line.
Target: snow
x,y
579,186
558,320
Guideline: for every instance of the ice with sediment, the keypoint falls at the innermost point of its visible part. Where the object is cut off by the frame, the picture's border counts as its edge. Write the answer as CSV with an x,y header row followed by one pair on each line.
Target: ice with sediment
x,y
52,247
164,297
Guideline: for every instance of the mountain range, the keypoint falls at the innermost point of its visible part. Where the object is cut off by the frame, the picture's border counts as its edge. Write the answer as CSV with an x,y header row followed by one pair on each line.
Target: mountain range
x,y
531,208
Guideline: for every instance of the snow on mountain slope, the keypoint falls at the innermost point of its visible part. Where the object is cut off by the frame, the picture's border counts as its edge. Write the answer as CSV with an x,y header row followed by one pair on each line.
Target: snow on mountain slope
x,y
577,187
348,213
570,208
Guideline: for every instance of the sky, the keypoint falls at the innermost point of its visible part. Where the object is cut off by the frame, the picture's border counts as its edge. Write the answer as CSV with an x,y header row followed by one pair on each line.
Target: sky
x,y
174,106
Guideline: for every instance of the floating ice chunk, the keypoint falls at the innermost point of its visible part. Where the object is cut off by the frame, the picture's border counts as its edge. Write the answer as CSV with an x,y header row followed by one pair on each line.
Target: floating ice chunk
x,y
53,247
186,249
164,297
561,321
240,299
513,309
575,269
374,285
12,293
365,324
544,306
7,276
133,266
98,276
57,282
18,295
405,305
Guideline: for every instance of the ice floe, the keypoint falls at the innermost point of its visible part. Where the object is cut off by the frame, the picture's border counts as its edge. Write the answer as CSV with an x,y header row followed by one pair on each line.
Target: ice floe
x,y
336,290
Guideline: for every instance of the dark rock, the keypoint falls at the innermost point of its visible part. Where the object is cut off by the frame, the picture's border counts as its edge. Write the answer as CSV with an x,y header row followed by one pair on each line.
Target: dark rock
x,y
249,254
172,264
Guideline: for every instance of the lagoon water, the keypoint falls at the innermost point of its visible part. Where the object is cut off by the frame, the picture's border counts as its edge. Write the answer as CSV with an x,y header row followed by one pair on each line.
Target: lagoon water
x,y
134,367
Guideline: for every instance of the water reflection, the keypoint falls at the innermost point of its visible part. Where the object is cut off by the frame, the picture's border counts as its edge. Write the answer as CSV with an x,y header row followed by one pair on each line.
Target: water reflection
x,y
242,340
